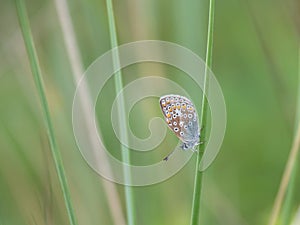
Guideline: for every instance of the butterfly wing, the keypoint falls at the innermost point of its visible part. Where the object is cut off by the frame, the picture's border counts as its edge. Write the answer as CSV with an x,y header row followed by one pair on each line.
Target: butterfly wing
x,y
181,117
190,122
171,113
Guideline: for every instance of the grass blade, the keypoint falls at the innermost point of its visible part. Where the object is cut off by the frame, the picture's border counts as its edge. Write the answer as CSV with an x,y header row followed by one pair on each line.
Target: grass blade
x,y
75,58
289,176
286,178
203,118
121,115
296,219
34,63
287,206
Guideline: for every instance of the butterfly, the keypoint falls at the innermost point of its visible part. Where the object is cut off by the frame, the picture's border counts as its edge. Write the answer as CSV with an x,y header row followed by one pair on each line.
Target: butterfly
x,y
181,116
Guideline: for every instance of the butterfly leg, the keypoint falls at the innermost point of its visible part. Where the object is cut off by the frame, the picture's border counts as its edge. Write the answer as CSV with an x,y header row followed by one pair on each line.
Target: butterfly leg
x,y
194,150
168,156
184,146
201,142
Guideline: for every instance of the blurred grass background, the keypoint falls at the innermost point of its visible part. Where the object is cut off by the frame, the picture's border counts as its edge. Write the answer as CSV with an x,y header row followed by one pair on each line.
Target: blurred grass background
x,y
255,59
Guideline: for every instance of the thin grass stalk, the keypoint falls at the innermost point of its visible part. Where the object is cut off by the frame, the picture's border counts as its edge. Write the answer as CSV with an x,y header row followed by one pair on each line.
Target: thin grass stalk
x,y
286,214
285,178
296,219
112,196
129,198
37,75
289,175
287,206
203,118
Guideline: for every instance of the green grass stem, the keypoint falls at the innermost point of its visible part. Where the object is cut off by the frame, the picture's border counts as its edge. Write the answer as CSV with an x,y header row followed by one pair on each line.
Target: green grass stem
x,y
287,206
203,118
129,198
76,62
289,176
286,178
36,71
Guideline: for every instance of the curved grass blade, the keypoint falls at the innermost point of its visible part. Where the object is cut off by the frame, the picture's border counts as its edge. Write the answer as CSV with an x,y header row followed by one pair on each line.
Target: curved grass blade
x,y
36,71
203,119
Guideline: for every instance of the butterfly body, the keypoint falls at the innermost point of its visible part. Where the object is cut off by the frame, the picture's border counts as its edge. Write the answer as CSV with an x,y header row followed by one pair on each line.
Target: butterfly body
x,y
181,116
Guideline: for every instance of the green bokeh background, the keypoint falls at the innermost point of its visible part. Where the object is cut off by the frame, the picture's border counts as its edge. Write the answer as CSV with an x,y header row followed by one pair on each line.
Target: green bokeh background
x,y
255,59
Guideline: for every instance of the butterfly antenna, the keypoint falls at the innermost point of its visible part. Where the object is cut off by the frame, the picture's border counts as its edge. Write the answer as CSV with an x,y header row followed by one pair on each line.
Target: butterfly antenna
x,y
168,156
